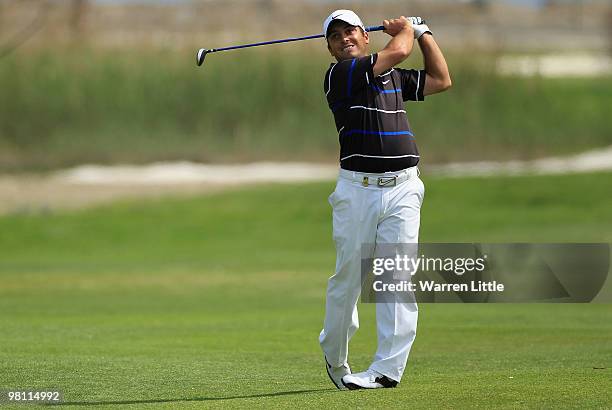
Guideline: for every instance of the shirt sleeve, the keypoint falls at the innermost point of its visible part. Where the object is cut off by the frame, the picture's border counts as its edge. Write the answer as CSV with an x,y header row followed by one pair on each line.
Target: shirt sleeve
x,y
413,84
349,77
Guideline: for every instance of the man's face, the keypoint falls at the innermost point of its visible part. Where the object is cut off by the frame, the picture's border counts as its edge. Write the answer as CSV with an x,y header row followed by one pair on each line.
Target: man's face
x,y
346,41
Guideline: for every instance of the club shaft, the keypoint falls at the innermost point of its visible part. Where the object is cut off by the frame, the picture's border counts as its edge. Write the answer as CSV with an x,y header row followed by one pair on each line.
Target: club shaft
x,y
287,40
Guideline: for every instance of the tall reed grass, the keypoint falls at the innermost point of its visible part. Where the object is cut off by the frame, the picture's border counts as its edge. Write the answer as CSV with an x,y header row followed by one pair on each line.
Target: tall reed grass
x,y
64,107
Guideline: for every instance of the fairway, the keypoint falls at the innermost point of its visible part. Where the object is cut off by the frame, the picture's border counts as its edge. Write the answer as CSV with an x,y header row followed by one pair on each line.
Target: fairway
x,y
218,300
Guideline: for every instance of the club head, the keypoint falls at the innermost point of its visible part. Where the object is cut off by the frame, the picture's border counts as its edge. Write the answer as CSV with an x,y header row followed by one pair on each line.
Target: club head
x,y
201,56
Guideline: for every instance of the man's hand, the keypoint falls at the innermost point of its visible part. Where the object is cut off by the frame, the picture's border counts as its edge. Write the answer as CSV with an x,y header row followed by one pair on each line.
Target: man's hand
x,y
419,26
398,48
394,26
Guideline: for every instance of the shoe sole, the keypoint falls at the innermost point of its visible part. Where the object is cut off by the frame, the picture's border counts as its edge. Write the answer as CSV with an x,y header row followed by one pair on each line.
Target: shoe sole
x,y
353,386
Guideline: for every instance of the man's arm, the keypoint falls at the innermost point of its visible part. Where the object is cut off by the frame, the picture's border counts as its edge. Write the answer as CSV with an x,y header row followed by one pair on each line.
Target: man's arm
x,y
437,77
398,48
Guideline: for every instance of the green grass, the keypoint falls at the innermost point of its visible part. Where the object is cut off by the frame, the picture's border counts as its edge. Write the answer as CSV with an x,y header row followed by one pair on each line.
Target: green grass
x,y
65,106
217,301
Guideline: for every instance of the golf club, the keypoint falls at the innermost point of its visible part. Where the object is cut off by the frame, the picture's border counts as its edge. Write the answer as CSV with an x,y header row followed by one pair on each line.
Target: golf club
x,y
203,51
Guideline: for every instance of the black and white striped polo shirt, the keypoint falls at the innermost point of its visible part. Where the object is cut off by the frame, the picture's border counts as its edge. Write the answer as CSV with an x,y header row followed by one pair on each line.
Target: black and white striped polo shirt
x,y
371,120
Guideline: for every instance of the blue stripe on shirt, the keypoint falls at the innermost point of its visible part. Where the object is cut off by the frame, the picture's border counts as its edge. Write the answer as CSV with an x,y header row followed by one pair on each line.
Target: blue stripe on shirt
x,y
381,133
350,76
380,90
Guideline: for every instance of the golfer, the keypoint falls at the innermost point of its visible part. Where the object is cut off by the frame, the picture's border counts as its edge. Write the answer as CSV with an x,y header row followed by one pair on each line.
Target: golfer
x,y
378,196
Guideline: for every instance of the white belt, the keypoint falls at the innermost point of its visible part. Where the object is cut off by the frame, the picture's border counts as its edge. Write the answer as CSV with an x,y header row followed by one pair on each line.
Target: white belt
x,y
384,180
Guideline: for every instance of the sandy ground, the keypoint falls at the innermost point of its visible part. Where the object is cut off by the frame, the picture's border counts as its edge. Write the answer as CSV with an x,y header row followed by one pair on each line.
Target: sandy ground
x,y
91,185
556,65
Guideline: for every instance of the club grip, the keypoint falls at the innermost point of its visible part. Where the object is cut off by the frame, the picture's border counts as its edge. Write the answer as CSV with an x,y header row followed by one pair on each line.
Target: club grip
x,y
379,28
375,28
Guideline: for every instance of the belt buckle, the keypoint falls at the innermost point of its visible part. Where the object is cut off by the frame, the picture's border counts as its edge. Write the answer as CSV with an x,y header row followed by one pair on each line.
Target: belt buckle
x,y
387,181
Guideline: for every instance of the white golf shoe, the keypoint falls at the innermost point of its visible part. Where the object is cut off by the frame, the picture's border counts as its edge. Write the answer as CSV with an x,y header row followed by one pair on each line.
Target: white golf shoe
x,y
370,379
337,373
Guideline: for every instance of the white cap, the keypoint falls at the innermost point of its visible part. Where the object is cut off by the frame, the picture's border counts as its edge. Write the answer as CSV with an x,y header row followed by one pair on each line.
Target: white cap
x,y
347,16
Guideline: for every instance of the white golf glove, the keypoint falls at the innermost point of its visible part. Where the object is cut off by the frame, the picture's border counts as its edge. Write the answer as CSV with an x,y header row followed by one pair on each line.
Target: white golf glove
x,y
415,20
419,26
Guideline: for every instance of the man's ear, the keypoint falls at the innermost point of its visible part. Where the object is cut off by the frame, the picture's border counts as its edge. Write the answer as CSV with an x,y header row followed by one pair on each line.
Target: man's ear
x,y
366,36
330,50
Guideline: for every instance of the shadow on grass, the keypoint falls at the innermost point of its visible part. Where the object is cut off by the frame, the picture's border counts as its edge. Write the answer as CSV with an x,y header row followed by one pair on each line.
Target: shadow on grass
x,y
249,396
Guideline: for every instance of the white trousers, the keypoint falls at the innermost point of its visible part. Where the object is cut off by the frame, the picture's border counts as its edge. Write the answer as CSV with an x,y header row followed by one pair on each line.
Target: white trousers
x,y
370,215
